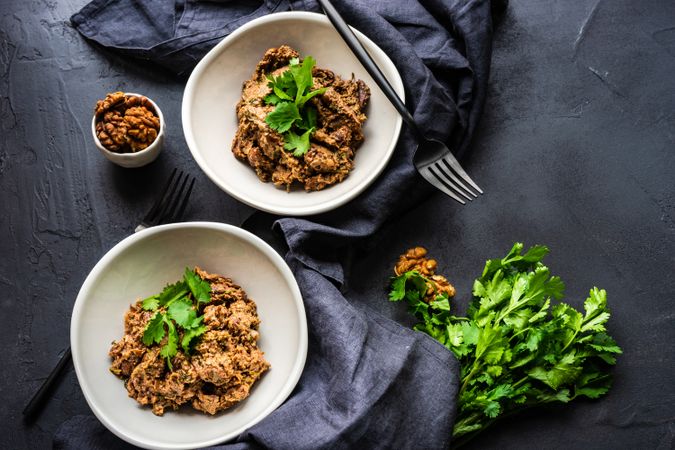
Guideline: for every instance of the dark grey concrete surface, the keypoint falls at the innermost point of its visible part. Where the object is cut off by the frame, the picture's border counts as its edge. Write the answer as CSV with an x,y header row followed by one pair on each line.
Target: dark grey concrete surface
x,y
575,150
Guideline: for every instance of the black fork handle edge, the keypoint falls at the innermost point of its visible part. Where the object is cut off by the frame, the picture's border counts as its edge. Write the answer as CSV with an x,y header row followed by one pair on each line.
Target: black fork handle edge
x,y
362,55
40,396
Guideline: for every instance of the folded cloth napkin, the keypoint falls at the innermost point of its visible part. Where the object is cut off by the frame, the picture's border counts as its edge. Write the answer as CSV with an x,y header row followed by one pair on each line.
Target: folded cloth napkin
x,y
368,381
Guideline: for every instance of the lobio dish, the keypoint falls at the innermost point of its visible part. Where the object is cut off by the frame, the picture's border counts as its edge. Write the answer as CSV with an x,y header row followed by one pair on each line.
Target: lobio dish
x,y
215,86
140,266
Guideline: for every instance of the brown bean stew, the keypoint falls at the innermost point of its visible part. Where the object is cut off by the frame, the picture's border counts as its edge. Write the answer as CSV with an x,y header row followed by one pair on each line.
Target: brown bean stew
x,y
217,374
333,140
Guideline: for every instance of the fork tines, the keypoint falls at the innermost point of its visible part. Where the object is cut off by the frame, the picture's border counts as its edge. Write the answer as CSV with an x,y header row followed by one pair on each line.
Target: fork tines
x,y
172,202
445,174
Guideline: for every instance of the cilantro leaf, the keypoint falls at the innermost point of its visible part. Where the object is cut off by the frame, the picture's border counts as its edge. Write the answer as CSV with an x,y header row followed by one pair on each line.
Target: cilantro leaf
x,y
151,303
596,311
189,337
272,99
172,292
281,94
604,343
154,330
196,322
536,253
308,114
455,334
283,86
170,349
299,144
491,345
597,301
182,312
302,75
410,285
283,117
441,303
592,392
593,384
201,290
397,287
563,372
305,98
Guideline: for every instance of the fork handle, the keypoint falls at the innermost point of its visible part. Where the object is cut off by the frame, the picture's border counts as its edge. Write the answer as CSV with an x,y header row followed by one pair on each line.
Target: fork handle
x,y
362,55
41,395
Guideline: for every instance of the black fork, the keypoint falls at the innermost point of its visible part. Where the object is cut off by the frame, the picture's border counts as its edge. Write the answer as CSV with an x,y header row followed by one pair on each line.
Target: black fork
x,y
432,159
170,205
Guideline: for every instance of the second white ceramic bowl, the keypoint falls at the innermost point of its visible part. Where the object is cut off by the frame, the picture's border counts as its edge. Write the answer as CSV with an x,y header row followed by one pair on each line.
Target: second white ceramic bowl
x,y
214,88
141,265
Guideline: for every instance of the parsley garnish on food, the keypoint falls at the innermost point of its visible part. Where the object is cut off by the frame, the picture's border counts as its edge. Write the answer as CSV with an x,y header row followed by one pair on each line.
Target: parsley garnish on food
x,y
516,350
176,308
292,116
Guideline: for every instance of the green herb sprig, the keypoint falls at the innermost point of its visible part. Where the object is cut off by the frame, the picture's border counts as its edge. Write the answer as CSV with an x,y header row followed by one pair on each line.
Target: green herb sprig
x,y
516,350
176,307
292,116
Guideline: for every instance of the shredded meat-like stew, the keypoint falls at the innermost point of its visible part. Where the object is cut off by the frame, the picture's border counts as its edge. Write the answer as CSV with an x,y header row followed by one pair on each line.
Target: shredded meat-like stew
x,y
340,116
220,372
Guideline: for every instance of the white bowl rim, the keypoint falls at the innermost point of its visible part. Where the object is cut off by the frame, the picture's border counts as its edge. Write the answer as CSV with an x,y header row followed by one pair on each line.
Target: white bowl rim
x,y
132,156
397,84
261,245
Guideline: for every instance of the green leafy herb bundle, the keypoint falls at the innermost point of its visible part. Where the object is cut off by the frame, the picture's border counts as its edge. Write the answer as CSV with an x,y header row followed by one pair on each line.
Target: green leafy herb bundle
x,y
516,350
292,116
176,308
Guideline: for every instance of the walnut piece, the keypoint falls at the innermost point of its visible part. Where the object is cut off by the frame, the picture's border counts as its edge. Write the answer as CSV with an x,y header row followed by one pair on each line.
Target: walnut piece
x,y
125,123
416,259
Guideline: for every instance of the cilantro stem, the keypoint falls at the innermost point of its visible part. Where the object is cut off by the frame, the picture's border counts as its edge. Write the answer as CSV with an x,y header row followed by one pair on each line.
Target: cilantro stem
x,y
571,340
518,333
474,370
512,308
466,438
522,380
179,295
469,436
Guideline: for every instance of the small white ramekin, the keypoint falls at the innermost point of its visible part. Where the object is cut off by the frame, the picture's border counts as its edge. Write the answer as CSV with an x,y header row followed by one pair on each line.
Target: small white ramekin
x,y
137,159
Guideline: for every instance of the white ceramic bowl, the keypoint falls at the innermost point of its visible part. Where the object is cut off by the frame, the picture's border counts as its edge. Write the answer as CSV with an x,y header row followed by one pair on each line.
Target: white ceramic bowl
x,y
141,265
214,88
138,159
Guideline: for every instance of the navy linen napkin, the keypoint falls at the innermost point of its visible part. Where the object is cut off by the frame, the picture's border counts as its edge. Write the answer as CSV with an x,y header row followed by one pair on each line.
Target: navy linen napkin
x,y
368,381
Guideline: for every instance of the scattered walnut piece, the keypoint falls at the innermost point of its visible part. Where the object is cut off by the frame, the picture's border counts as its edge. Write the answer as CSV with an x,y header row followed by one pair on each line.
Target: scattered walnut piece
x,y
126,123
416,259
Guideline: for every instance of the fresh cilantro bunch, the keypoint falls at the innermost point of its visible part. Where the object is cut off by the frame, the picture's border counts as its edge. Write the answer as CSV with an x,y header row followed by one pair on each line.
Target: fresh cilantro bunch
x,y
515,349
293,117
176,307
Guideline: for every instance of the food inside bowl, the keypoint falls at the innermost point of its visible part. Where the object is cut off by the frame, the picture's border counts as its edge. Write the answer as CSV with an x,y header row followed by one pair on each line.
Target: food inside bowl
x,y
299,124
194,343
